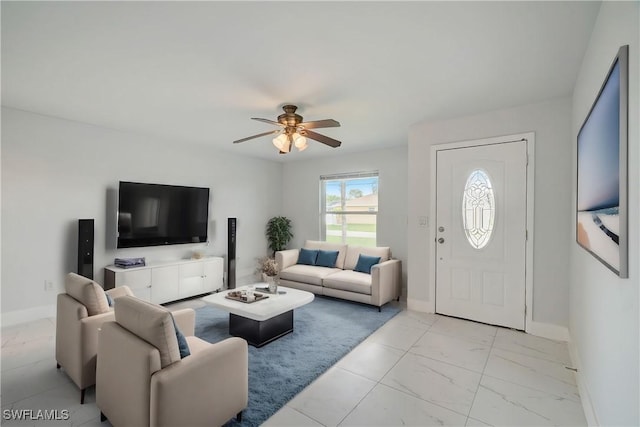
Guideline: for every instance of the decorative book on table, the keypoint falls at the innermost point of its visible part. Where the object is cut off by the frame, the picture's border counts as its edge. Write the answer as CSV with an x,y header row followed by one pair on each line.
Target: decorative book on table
x,y
129,262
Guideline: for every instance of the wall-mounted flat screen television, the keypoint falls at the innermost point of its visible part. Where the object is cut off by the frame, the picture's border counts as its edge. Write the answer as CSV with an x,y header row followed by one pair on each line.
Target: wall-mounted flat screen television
x,y
156,214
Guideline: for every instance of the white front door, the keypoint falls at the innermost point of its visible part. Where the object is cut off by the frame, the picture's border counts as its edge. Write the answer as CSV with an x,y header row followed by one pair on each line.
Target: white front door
x,y
481,217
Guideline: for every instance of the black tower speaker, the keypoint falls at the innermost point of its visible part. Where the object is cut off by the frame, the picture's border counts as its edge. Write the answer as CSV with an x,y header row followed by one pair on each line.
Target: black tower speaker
x,y
231,253
85,248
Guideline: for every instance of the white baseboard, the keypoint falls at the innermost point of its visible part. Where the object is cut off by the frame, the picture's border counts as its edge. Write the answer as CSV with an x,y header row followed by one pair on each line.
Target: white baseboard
x,y
419,305
585,396
549,331
28,315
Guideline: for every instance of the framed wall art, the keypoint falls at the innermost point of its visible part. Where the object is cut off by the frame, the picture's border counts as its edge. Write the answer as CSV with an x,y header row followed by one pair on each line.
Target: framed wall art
x,y
602,212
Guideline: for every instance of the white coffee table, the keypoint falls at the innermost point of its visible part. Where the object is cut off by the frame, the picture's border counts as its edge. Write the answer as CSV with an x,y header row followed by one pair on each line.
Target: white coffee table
x,y
262,321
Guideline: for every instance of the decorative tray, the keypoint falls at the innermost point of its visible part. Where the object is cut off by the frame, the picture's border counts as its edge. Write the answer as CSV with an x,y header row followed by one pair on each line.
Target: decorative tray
x,y
242,296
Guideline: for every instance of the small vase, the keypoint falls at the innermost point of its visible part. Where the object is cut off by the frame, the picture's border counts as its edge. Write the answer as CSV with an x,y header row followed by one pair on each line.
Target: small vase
x,y
272,281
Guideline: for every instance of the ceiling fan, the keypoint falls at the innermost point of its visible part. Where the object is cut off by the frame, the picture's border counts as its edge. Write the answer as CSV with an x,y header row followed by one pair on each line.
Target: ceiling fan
x,y
294,132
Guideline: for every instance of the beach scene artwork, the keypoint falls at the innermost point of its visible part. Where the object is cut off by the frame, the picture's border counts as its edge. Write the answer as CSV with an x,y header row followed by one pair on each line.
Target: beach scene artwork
x,y
598,204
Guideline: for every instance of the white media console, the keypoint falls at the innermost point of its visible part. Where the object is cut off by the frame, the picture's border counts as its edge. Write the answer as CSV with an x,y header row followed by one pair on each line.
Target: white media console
x,y
169,281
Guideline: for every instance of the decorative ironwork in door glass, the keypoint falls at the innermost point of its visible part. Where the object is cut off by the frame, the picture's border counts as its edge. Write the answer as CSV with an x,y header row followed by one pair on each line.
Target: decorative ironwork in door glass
x,y
478,209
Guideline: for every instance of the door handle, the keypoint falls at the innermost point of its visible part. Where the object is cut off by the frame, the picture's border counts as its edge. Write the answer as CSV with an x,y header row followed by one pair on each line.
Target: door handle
x,y
440,240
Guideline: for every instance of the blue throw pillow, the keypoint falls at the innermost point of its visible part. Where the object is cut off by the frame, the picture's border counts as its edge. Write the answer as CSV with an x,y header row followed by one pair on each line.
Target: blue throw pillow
x,y
307,256
365,262
109,299
182,341
327,258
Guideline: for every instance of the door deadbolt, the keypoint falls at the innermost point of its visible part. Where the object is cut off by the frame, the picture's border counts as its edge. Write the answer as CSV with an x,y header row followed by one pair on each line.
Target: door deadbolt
x,y
440,240
441,229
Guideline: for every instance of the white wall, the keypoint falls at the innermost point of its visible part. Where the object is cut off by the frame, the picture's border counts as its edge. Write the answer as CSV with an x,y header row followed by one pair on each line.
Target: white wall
x,y
552,219
604,308
55,171
301,188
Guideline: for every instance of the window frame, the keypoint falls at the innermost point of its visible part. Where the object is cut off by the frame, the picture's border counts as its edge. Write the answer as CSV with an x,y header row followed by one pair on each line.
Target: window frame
x,y
323,212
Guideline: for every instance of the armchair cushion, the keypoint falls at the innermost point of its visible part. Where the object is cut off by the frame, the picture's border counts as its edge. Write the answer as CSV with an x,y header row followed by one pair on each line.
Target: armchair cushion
x,y
153,323
86,292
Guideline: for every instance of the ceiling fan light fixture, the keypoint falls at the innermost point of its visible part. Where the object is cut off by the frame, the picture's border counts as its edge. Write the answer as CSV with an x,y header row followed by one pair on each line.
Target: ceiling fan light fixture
x,y
295,132
300,142
282,143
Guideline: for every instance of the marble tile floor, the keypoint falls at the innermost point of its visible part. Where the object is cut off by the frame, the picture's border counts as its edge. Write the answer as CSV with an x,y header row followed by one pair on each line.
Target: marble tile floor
x,y
418,369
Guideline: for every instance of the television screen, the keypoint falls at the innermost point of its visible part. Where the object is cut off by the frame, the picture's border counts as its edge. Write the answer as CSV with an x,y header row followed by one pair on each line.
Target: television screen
x,y
155,214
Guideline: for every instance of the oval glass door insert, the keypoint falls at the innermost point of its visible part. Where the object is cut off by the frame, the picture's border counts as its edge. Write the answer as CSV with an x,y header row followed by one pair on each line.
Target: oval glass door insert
x,y
478,209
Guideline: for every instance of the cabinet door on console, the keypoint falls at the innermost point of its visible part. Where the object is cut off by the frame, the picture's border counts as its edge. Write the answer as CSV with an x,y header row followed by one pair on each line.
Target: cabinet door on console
x,y
165,284
213,273
138,280
191,279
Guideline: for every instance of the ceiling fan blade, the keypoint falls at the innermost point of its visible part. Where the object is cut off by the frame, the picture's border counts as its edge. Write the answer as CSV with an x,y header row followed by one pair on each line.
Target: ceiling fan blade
x,y
322,138
271,122
257,136
327,123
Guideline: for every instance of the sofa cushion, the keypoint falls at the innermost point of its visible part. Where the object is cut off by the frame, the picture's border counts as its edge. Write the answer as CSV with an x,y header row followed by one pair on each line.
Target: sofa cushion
x,y
365,262
353,253
307,273
153,323
347,280
327,258
87,292
307,256
342,250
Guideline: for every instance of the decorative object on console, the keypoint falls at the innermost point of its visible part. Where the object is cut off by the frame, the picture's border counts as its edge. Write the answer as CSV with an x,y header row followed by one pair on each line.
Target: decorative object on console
x,y
602,198
129,262
295,132
278,233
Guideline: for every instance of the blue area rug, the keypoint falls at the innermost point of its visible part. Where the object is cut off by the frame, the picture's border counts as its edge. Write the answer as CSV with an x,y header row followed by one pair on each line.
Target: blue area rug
x,y
323,332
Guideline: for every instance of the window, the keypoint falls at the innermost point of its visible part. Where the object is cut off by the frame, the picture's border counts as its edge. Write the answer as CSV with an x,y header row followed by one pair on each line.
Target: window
x,y
349,204
478,209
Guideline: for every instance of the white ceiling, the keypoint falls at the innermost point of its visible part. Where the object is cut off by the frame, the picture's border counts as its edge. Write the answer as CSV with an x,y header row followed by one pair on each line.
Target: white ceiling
x,y
195,72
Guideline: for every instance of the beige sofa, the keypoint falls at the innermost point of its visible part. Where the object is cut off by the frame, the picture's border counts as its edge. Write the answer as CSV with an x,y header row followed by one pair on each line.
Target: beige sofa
x,y
341,281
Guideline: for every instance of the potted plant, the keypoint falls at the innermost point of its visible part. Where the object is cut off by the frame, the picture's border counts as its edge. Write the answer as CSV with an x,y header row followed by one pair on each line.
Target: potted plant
x,y
278,233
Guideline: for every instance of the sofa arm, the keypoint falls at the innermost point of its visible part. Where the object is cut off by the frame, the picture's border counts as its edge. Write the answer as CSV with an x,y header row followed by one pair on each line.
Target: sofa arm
x,y
118,292
207,388
287,258
185,320
385,281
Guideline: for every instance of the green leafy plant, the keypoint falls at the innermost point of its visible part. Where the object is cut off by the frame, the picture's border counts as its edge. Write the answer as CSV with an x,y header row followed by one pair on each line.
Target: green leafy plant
x,y
278,233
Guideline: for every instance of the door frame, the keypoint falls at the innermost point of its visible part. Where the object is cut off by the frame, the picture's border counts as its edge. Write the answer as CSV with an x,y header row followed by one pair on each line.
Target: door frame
x,y
529,137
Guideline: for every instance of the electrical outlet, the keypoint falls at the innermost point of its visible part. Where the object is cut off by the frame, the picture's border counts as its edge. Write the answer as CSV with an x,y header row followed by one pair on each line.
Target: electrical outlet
x,y
48,285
